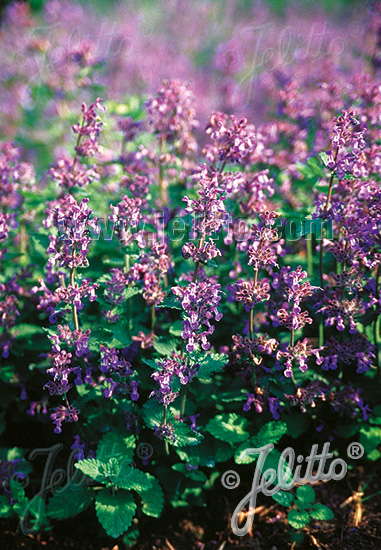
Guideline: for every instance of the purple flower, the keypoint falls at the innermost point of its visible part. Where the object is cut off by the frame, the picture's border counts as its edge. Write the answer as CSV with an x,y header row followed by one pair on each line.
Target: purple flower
x,y
199,301
89,130
118,374
232,142
63,414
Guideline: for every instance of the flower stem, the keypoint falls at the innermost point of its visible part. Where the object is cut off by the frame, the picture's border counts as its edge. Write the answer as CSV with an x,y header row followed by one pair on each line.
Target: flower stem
x,y
310,265
161,171
251,324
183,402
251,318
376,324
164,423
329,195
197,264
126,270
75,313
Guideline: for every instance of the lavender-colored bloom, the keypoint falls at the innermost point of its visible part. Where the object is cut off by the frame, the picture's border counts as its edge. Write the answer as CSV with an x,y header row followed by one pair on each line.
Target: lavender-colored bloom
x,y
199,301
118,374
63,414
171,370
69,248
89,130
209,213
172,115
234,141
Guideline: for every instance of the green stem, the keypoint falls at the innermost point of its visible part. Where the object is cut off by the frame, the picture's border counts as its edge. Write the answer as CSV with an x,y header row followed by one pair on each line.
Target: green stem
x,y
251,324
164,423
197,264
310,264
183,402
321,270
75,313
371,496
376,324
161,171
126,270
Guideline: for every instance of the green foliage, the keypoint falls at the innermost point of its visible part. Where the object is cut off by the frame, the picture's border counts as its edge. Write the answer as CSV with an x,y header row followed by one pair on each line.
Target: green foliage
x,y
229,427
69,501
115,512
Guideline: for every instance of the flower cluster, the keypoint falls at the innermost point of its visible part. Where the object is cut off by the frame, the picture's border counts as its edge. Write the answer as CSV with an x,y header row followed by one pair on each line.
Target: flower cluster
x,y
172,115
170,371
208,211
118,374
232,141
88,131
199,301
69,248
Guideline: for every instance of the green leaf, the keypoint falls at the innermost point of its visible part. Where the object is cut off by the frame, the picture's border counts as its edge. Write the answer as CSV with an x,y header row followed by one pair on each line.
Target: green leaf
x,y
18,492
26,330
69,502
92,467
129,292
297,424
321,512
211,363
285,498
228,427
269,433
376,415
5,507
132,479
171,302
153,413
164,346
115,512
184,435
306,494
208,453
272,432
298,520
121,333
324,158
116,445
370,438
194,475
153,499
176,328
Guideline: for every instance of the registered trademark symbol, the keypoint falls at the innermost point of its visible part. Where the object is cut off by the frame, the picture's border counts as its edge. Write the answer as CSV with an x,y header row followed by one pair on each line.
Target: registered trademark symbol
x,y
355,450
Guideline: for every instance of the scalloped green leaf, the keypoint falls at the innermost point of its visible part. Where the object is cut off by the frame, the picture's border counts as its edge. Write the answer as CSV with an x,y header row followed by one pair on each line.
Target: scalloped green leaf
x,y
272,432
321,512
5,507
115,512
116,445
92,467
211,363
184,435
69,502
228,427
164,346
132,479
298,520
285,498
152,499
306,494
194,475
